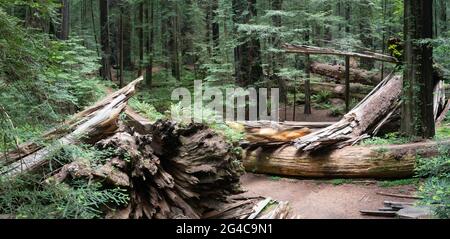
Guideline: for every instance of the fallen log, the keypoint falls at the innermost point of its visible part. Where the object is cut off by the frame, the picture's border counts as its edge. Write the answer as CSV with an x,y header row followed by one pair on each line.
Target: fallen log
x,y
357,90
68,126
89,125
338,72
386,161
399,195
379,213
294,48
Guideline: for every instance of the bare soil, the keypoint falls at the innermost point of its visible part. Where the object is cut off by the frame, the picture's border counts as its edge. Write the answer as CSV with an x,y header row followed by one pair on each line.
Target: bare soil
x,y
320,199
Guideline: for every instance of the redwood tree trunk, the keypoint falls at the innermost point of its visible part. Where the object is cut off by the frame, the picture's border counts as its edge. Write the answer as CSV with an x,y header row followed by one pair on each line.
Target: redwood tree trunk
x,y
366,35
248,54
443,16
104,40
149,43
63,32
277,58
140,31
215,26
417,107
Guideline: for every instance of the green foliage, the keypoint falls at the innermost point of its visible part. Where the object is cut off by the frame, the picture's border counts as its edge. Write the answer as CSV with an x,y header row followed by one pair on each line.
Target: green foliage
x,y
275,178
321,97
41,80
340,181
28,197
389,138
399,182
436,189
337,110
233,135
145,109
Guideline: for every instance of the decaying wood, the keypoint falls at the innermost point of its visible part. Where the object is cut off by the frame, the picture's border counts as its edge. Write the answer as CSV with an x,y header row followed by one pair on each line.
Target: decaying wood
x,y
378,108
176,172
399,195
357,90
379,213
293,48
443,113
338,72
385,161
358,122
68,126
397,205
88,125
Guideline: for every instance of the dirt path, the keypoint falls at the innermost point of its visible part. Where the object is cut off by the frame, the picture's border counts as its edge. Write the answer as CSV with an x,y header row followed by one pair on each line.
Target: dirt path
x,y
320,199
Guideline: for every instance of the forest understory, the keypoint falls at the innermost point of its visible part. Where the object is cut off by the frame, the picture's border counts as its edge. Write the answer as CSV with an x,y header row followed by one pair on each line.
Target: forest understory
x,y
87,127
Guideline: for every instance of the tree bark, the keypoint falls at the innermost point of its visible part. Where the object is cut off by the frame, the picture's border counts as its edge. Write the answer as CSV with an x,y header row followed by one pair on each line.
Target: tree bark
x,y
366,34
247,55
215,30
277,58
127,33
347,16
150,38
387,161
307,86
121,50
417,107
63,33
338,72
443,16
140,33
104,40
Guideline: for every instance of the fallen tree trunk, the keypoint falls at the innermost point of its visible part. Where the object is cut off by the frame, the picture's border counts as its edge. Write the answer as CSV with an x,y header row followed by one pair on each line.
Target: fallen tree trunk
x,y
338,72
357,91
384,161
89,125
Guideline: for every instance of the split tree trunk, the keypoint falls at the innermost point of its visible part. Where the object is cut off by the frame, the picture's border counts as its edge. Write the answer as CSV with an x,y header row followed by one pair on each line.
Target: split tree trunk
x,y
88,126
356,124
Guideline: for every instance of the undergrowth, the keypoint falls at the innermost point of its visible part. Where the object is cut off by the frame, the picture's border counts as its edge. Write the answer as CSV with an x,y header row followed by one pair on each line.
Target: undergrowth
x,y
436,188
399,182
389,138
28,197
42,80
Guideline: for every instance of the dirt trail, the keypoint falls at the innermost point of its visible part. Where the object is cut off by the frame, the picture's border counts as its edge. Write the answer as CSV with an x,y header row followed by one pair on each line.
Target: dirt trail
x,y
319,200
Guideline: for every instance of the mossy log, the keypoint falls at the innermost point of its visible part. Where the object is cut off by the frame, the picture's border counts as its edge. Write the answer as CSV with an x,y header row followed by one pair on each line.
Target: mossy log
x,y
381,161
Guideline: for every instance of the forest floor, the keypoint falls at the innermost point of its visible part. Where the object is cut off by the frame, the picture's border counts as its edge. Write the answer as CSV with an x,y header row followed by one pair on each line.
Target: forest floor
x,y
324,199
